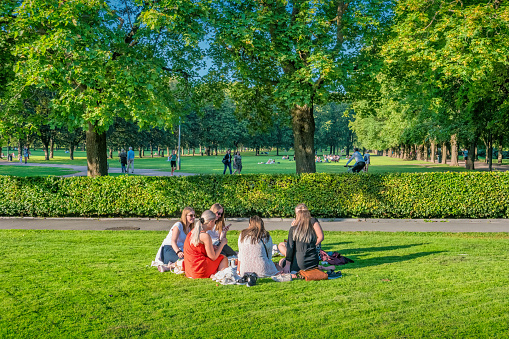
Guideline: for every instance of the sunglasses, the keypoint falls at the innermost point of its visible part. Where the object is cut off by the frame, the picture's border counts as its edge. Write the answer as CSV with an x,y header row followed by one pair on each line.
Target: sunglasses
x,y
191,215
219,213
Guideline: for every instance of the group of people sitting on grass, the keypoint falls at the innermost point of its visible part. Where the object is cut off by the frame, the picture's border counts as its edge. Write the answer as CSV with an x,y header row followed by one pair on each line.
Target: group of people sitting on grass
x,y
202,244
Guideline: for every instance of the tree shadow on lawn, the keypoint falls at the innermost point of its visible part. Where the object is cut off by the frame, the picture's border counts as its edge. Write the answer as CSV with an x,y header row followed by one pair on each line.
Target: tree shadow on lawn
x,y
357,253
389,259
330,246
377,249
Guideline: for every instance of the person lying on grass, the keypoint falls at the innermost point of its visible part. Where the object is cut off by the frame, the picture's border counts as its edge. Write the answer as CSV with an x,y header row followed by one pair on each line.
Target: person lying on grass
x,y
172,248
201,258
303,244
255,250
219,231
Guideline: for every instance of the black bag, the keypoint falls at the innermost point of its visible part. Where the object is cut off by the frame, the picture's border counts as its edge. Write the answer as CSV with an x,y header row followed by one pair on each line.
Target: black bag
x,y
224,161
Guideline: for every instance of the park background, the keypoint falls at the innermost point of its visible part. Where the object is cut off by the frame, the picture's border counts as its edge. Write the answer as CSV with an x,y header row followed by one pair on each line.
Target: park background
x,y
413,81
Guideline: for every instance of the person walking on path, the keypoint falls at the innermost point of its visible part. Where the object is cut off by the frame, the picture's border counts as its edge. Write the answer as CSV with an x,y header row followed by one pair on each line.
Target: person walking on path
x,y
173,159
359,161
227,161
367,160
130,160
123,160
237,163
26,154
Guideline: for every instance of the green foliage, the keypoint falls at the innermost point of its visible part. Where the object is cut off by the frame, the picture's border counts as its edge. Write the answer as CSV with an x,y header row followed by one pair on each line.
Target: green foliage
x,y
426,195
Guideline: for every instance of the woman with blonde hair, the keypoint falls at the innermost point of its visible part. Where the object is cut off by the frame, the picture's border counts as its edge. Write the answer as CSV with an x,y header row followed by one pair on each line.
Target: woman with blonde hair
x,y
172,248
219,231
255,250
304,239
201,259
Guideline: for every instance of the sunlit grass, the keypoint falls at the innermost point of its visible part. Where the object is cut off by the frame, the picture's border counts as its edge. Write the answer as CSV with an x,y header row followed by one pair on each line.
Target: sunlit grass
x,y
251,164
402,285
30,171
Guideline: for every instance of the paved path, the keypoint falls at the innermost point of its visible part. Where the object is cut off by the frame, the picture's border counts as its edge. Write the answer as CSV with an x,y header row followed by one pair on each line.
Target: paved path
x,y
384,225
82,170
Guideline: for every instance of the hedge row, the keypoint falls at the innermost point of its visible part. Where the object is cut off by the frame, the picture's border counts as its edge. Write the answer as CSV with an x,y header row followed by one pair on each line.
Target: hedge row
x,y
423,195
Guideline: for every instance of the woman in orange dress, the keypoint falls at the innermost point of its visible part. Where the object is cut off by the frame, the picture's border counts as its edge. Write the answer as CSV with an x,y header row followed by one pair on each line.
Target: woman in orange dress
x,y
201,258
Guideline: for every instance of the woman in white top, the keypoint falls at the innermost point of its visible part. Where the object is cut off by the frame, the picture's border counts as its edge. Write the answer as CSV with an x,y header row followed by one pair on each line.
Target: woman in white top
x,y
219,230
172,248
255,250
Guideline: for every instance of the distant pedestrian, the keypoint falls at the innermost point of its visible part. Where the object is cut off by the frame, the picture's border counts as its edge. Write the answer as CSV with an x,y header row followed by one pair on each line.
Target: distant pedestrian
x,y
227,161
26,154
367,160
130,160
237,162
173,161
123,160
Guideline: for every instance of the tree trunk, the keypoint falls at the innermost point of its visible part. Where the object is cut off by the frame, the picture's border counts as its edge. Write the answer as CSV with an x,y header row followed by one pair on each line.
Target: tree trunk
x,y
433,150
140,152
500,151
444,153
303,124
475,153
45,147
471,154
489,152
215,149
97,162
51,148
151,151
71,151
111,153
454,150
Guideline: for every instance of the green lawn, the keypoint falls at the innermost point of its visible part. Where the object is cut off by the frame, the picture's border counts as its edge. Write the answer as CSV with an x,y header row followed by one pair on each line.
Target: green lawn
x,y
213,165
97,284
28,171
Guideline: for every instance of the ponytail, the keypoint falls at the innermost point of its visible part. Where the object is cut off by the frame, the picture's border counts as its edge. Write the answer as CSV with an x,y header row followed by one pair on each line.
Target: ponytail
x,y
199,225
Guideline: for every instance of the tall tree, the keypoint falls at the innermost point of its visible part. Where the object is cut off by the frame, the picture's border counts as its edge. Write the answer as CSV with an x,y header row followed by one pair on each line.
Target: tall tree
x,y
294,53
106,59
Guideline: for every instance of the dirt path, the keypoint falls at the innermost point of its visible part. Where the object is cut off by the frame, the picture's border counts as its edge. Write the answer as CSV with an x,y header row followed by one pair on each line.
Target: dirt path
x,y
82,170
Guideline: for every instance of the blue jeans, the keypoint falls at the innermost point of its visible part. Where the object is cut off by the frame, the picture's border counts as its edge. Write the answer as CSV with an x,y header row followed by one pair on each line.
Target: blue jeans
x,y
168,254
229,164
123,168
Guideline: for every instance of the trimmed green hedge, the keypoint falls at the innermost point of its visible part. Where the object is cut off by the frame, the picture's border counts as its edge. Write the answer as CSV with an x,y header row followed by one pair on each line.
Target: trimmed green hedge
x,y
416,195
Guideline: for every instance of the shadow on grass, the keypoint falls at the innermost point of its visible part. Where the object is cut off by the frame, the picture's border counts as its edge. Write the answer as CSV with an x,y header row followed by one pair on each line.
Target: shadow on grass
x,y
330,246
388,259
377,249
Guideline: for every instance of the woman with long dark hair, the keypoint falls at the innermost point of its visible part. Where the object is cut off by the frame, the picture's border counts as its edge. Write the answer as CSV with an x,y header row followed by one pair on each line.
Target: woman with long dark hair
x,y
304,239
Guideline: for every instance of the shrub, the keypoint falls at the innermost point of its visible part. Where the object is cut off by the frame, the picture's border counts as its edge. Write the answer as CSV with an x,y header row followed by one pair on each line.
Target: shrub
x,y
423,195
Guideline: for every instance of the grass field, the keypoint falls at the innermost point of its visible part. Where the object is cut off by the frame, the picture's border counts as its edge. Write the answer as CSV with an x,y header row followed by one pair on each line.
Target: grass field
x,y
26,171
251,164
97,284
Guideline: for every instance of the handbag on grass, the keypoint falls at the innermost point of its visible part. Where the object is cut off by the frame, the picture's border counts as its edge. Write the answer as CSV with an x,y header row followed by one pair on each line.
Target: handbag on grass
x,y
313,274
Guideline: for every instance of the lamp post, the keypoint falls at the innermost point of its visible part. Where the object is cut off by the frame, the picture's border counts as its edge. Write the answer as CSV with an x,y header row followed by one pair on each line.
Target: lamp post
x,y
178,152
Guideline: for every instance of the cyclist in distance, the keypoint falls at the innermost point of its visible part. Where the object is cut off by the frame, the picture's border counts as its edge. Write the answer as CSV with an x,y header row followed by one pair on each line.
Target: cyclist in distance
x,y
359,161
